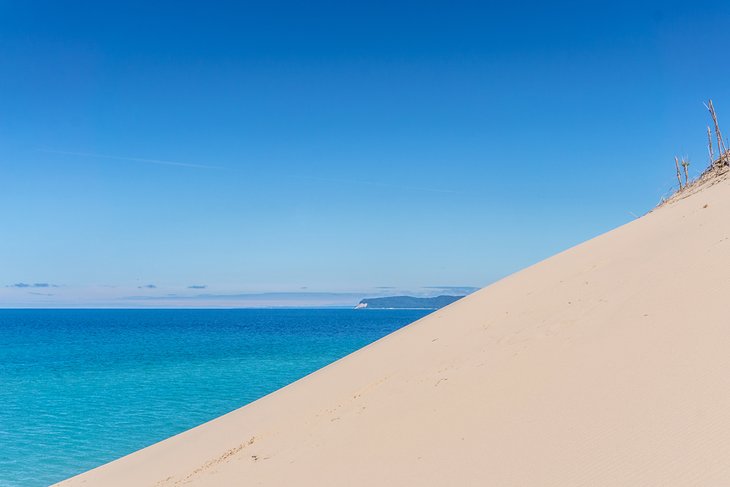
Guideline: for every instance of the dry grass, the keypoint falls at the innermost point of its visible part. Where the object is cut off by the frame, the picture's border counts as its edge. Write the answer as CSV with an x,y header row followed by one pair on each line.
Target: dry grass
x,y
717,170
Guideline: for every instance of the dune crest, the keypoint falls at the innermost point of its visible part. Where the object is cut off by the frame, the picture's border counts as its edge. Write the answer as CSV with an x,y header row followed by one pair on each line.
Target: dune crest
x,y
607,364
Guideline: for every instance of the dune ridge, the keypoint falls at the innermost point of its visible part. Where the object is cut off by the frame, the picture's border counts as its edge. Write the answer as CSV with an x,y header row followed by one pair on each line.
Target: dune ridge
x,y
607,364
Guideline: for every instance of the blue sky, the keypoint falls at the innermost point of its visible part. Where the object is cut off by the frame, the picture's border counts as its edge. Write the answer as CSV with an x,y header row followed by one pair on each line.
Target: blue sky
x,y
152,153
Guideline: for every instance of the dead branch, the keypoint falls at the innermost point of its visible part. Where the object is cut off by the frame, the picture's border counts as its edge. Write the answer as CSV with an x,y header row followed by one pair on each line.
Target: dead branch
x,y
679,175
720,143
685,165
709,145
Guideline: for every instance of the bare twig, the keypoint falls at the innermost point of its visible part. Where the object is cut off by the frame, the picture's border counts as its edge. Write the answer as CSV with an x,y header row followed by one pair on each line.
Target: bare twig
x,y
685,165
679,176
720,143
709,145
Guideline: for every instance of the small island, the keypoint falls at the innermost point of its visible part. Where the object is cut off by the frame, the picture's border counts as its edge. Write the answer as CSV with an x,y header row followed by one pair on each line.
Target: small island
x,y
407,302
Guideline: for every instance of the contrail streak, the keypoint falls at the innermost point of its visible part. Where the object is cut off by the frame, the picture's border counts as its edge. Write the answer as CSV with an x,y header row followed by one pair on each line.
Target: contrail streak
x,y
134,159
291,176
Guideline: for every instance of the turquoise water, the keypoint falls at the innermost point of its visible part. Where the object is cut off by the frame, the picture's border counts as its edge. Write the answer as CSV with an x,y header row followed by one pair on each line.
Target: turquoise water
x,y
79,388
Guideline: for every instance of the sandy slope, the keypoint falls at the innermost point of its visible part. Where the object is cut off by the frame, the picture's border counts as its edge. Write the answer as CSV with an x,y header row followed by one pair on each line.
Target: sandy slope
x,y
608,364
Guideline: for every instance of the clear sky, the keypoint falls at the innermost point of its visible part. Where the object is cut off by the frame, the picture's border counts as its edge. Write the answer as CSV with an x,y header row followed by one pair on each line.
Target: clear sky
x,y
152,152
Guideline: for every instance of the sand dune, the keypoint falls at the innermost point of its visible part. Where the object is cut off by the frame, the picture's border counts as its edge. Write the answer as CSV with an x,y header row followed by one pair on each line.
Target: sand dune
x,y
607,364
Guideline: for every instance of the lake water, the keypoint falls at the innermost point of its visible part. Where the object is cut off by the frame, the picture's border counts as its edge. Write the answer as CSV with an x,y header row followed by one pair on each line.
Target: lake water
x,y
79,388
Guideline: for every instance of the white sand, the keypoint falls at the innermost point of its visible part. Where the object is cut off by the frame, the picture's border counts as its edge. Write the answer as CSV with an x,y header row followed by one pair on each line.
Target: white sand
x,y
605,365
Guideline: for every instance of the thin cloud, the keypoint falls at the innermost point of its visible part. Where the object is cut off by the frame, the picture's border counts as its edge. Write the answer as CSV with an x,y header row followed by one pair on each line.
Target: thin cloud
x,y
21,285
253,296
452,289
133,159
247,300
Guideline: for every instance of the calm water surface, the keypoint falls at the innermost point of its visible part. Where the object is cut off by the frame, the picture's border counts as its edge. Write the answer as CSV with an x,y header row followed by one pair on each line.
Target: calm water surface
x,y
79,388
